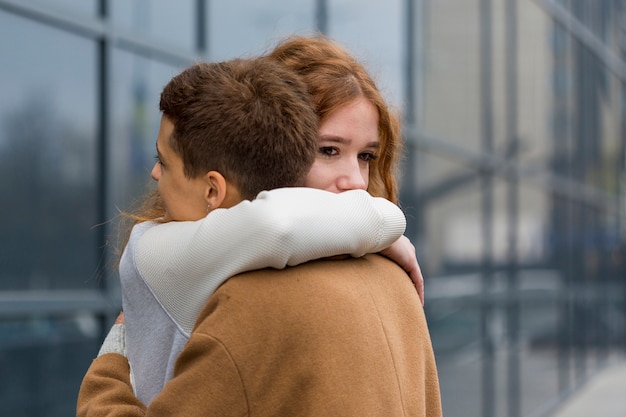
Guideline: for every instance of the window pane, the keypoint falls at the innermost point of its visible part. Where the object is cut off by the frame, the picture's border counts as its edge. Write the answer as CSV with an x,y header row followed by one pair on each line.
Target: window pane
x,y
242,27
47,158
374,32
452,72
172,23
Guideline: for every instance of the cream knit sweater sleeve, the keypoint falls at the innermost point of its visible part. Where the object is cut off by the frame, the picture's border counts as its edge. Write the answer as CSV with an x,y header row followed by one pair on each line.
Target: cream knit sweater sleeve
x,y
184,262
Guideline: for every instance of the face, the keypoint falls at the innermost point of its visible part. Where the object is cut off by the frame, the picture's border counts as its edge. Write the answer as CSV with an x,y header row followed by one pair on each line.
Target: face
x,y
348,144
183,197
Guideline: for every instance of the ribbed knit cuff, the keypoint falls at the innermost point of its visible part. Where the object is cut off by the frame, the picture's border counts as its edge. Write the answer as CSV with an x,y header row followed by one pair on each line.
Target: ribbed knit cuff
x,y
394,223
115,342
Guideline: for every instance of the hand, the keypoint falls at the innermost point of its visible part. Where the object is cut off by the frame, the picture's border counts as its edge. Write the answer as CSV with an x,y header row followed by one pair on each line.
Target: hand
x,y
402,252
115,341
120,318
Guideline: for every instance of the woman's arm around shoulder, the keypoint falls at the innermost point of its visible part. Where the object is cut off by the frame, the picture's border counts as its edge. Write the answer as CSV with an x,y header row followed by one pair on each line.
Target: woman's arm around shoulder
x,y
185,262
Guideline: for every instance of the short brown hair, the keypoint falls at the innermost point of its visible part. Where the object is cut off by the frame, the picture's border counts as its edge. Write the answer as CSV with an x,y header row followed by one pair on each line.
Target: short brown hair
x,y
334,78
252,120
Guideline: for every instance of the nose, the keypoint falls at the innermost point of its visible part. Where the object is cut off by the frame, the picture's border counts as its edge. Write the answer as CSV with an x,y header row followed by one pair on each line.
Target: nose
x,y
156,172
352,178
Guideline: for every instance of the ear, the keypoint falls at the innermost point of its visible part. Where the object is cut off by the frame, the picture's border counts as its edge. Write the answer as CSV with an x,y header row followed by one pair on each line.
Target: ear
x,y
215,190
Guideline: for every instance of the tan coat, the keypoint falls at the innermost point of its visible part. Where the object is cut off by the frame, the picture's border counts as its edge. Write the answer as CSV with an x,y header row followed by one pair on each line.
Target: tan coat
x,y
327,338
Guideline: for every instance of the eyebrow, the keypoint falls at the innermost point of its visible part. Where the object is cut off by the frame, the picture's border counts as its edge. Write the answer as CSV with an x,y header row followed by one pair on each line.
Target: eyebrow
x,y
345,141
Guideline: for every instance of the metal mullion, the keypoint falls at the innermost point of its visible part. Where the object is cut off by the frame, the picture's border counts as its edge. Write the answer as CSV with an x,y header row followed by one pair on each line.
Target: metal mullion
x,y
585,36
85,26
96,28
103,80
201,27
487,309
408,185
513,309
30,303
321,16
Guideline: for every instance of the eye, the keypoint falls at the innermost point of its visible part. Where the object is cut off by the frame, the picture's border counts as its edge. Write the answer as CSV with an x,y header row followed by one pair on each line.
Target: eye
x,y
368,156
158,160
328,151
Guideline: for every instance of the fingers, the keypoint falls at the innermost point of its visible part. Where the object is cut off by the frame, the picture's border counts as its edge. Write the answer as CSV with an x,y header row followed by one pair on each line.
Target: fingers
x,y
418,282
420,289
120,318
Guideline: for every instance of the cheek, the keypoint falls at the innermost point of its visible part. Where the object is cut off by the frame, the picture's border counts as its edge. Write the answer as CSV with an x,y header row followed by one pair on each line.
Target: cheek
x,y
365,173
318,177
165,197
162,187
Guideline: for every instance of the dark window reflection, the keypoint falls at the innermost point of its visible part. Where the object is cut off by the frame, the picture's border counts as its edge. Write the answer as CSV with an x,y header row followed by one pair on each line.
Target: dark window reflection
x,y
47,158
46,360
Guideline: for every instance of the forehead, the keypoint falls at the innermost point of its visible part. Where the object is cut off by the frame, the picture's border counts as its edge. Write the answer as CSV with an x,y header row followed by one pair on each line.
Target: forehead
x,y
357,119
165,133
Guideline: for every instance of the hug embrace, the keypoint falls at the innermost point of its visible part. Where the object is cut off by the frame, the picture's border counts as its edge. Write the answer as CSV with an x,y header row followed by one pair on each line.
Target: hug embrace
x,y
267,274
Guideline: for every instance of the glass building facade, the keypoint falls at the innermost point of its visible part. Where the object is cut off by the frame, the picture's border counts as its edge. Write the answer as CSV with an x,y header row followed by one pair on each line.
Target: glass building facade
x,y
513,178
